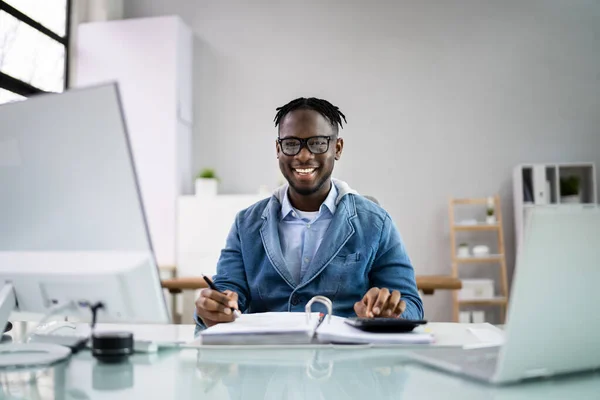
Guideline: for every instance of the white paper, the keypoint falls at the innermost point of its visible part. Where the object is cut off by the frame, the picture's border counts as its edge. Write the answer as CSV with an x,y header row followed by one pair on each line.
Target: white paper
x,y
340,332
265,328
487,337
271,323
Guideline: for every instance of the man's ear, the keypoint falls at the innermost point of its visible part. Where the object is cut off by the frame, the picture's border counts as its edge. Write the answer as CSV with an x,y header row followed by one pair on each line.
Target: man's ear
x,y
277,148
339,146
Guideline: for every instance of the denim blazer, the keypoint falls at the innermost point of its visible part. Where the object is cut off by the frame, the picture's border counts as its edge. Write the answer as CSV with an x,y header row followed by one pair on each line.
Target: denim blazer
x,y
362,248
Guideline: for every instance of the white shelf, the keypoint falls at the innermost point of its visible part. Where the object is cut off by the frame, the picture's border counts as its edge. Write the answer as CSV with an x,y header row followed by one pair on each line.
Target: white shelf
x,y
476,227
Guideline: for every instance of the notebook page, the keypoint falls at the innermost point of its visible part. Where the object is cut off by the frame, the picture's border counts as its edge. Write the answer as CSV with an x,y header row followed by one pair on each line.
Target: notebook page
x,y
266,323
339,332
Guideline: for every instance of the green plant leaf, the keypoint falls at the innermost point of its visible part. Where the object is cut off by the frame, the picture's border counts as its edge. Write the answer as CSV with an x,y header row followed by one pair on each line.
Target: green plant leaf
x,y
569,186
207,173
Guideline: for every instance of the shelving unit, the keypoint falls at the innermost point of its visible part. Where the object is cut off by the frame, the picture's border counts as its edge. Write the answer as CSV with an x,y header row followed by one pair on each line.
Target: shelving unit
x,y
482,302
476,260
542,185
477,227
485,261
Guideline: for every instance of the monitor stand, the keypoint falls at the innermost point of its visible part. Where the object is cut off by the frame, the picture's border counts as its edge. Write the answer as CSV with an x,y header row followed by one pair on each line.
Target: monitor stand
x,y
8,302
25,355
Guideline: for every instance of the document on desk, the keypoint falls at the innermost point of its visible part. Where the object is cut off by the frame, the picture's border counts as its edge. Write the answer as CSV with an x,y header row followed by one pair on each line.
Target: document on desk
x,y
264,328
284,328
337,331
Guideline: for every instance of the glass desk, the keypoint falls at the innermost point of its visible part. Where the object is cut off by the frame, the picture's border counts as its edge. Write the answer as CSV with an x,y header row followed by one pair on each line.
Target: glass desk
x,y
306,373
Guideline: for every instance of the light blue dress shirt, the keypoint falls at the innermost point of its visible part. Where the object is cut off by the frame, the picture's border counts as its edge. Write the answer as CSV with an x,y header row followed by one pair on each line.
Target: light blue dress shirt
x,y
301,232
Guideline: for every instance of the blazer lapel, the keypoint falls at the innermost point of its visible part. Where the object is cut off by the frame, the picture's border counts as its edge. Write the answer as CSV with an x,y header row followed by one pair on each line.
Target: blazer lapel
x,y
269,234
339,231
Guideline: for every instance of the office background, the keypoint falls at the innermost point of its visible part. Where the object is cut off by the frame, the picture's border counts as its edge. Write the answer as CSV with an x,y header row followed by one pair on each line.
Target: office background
x,y
443,98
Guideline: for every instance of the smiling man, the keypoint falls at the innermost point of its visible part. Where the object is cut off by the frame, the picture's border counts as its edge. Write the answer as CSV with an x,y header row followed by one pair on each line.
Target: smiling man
x,y
314,236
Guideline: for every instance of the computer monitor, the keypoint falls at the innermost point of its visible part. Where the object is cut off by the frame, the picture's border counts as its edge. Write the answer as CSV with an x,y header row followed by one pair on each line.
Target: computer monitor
x,y
73,227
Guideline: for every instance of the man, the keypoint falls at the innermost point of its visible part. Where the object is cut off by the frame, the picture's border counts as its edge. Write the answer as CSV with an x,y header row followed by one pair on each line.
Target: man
x,y
314,236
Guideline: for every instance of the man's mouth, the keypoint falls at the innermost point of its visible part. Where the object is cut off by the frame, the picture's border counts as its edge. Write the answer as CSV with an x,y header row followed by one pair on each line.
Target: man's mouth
x,y
304,172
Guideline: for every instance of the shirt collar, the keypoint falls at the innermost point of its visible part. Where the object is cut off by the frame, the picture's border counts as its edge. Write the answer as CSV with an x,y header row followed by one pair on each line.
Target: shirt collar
x,y
329,203
330,200
286,206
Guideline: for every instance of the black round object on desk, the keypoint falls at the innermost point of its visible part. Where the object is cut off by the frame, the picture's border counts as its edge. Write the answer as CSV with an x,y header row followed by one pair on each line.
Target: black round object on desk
x,y
112,347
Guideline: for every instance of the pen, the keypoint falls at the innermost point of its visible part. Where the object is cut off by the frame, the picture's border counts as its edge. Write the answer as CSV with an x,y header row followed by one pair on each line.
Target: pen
x,y
210,283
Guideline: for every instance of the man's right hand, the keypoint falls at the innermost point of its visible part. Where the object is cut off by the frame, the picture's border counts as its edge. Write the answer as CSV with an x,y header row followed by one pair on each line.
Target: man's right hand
x,y
214,307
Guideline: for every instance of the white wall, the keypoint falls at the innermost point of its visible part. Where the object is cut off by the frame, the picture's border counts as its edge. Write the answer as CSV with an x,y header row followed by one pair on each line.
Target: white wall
x,y
442,97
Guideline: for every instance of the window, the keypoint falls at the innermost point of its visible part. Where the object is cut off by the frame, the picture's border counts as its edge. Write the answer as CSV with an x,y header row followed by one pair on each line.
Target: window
x,y
34,37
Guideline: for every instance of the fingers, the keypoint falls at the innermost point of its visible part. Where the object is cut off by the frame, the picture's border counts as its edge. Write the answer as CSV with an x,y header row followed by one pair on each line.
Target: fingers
x,y
369,300
380,303
212,300
221,298
390,306
399,309
233,299
360,308
363,307
214,307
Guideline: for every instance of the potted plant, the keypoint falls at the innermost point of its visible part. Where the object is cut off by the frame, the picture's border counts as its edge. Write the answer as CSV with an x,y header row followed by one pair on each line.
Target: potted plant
x,y
206,182
463,250
490,217
569,190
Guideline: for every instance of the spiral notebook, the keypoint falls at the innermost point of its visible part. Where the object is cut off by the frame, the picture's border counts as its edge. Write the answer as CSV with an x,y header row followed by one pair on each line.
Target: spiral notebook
x,y
286,328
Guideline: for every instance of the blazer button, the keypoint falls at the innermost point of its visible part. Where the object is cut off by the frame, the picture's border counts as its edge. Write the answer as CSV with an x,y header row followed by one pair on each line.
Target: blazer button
x,y
295,300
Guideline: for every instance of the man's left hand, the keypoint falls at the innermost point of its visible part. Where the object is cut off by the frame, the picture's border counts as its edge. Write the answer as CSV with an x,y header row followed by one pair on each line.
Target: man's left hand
x,y
380,303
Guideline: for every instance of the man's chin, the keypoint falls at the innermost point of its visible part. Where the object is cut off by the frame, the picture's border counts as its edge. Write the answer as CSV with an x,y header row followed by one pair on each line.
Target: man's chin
x,y
304,190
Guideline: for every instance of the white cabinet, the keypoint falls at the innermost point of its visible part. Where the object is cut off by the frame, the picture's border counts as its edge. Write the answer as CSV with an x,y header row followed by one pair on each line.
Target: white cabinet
x,y
202,228
151,59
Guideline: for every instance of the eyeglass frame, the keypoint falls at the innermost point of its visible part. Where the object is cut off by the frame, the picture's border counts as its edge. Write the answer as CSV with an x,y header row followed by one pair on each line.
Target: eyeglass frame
x,y
304,143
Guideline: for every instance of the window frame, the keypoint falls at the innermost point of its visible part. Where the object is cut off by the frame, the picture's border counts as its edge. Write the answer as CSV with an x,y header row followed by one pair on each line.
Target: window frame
x,y
17,86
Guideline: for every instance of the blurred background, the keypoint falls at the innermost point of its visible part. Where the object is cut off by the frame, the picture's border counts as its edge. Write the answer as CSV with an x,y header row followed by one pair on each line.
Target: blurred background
x,y
462,114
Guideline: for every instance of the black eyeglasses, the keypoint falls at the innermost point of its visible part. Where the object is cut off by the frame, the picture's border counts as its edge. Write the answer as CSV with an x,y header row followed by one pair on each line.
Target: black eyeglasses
x,y
315,144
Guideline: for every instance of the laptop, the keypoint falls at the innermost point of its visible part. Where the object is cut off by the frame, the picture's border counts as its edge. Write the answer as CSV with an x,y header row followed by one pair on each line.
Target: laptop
x,y
553,323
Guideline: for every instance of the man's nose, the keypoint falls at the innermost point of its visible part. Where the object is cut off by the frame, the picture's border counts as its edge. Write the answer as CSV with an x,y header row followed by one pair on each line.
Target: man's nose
x,y
304,155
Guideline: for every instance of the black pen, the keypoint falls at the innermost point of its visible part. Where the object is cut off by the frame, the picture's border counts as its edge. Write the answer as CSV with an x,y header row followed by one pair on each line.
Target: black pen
x,y
210,283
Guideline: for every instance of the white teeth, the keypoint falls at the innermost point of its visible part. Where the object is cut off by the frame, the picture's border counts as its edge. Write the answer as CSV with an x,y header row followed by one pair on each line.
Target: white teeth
x,y
305,170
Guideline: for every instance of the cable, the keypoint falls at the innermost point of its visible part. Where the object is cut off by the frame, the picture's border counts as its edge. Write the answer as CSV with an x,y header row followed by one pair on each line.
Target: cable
x,y
94,309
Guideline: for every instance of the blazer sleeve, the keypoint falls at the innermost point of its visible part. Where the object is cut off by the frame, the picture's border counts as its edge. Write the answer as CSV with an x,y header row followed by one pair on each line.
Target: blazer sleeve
x,y
393,269
231,272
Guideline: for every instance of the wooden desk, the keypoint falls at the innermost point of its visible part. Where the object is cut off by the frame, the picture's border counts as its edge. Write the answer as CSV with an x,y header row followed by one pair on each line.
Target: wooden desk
x,y
177,285
426,283
430,283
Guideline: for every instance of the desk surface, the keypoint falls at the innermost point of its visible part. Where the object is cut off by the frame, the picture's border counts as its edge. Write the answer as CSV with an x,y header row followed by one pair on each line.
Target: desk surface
x,y
326,373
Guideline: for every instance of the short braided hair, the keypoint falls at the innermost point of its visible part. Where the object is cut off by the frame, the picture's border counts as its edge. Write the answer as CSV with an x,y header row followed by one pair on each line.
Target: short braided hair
x,y
323,107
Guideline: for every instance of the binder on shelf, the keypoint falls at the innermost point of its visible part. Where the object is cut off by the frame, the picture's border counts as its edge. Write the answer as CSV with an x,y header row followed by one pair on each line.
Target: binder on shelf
x,y
293,328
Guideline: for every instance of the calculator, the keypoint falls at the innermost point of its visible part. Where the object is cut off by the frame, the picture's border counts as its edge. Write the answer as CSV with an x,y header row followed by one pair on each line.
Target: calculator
x,y
384,325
